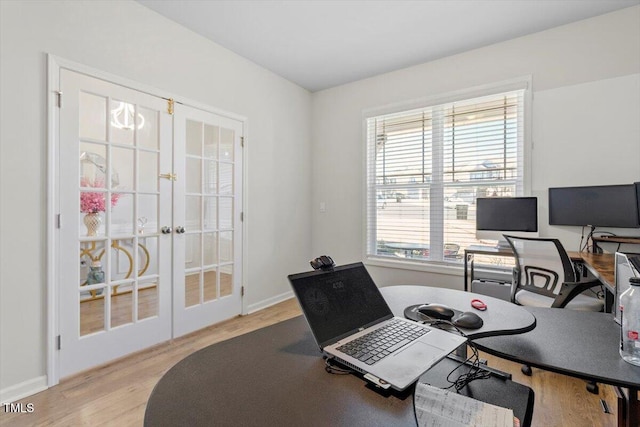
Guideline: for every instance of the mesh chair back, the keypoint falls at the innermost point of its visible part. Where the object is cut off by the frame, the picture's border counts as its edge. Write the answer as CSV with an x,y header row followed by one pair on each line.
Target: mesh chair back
x,y
542,265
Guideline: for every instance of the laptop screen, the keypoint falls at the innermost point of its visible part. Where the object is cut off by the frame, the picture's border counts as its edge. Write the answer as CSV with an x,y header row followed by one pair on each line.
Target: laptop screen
x,y
337,303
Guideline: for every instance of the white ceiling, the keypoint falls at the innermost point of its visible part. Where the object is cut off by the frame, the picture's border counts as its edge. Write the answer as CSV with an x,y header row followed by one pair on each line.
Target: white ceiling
x,y
324,43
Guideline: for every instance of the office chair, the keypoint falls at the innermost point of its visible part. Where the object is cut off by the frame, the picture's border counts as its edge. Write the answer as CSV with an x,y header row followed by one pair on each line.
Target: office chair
x,y
544,276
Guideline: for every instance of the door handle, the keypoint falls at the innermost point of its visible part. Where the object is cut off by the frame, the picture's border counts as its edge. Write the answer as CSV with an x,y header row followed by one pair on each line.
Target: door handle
x,y
166,230
180,229
169,176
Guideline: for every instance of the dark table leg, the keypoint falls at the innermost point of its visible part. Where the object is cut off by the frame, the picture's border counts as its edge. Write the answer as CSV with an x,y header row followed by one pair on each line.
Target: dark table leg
x,y
467,258
628,407
633,408
608,300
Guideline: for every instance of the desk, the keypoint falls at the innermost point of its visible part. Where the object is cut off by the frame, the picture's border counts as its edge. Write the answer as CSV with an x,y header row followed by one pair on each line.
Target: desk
x,y
575,343
602,266
276,376
630,240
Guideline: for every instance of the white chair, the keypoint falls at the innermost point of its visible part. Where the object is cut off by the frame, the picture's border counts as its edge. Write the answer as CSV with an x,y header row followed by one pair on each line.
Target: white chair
x,y
544,276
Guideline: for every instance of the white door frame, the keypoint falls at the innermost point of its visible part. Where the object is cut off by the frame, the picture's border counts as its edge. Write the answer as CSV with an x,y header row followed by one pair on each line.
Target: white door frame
x,y
54,65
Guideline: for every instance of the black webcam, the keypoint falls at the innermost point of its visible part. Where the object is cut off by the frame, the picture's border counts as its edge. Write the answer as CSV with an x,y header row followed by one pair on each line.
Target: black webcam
x,y
323,262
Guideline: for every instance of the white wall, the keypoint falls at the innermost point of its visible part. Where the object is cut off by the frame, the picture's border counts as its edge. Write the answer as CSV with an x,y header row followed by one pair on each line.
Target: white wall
x,y
128,40
586,130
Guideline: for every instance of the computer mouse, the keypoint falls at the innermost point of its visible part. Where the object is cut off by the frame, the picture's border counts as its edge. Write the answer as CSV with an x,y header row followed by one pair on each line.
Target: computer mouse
x,y
436,311
468,320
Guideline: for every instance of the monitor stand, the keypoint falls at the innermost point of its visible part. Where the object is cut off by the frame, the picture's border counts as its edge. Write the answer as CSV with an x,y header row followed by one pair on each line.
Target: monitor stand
x,y
503,245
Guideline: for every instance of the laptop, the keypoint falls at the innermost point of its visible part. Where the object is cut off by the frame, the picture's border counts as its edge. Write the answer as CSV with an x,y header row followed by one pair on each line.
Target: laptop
x,y
344,306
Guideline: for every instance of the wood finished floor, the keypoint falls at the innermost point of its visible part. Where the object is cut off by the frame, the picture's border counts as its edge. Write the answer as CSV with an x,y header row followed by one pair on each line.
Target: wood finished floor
x,y
116,394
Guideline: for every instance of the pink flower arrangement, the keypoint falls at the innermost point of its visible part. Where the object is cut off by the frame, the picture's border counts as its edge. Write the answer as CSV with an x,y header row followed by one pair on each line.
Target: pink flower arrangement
x,y
94,202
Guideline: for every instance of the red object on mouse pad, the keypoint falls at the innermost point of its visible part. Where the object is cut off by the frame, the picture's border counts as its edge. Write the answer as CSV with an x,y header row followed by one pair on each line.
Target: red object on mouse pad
x,y
478,304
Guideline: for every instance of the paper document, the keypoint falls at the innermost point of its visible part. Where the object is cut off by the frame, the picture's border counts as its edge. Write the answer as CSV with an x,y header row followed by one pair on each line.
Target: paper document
x,y
436,407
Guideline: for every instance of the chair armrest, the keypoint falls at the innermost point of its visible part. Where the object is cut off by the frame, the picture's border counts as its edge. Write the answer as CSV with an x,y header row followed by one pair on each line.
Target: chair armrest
x,y
570,290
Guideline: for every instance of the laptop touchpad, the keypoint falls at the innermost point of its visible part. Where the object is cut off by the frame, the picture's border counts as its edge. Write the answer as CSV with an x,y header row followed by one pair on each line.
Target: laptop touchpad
x,y
420,351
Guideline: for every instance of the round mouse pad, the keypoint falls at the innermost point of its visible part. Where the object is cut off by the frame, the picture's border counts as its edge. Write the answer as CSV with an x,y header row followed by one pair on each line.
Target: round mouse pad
x,y
412,313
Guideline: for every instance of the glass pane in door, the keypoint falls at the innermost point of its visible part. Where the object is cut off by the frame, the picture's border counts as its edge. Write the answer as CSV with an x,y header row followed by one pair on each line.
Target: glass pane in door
x,y
211,141
226,280
147,136
122,164
192,289
226,178
148,298
194,138
147,220
210,281
122,305
93,116
122,214
149,171
209,249
92,316
194,183
92,286
123,120
149,281
227,140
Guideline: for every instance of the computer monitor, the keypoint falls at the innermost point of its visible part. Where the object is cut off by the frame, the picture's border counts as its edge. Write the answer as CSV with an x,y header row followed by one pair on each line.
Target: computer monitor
x,y
516,216
598,206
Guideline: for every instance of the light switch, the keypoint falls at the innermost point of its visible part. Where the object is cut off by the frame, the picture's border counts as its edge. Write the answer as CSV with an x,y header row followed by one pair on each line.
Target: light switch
x,y
323,207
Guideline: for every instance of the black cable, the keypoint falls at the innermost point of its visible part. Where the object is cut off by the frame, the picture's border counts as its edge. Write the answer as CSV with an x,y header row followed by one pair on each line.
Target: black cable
x,y
473,361
580,248
586,246
598,293
335,369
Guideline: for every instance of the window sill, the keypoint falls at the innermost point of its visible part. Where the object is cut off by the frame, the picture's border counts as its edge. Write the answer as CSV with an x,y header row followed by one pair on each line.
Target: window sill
x,y
450,269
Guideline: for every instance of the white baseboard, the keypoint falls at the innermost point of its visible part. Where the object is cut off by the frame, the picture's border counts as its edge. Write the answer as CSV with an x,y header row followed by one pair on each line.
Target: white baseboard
x,y
24,389
269,302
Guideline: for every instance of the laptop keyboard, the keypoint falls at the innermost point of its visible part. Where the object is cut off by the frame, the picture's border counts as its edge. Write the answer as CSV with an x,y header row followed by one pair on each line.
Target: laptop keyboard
x,y
378,344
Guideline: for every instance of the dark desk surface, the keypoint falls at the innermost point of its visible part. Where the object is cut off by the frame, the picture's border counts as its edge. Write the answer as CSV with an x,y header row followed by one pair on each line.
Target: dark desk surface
x,y
276,376
576,343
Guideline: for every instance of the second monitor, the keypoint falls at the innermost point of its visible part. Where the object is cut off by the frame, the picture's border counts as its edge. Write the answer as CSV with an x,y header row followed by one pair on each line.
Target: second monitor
x,y
496,216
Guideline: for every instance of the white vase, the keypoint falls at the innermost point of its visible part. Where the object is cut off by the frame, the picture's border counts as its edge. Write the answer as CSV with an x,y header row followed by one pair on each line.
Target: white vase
x,y
92,221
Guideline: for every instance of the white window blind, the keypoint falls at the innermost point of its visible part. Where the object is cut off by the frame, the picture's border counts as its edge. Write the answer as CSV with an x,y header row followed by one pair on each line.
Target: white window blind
x,y
426,167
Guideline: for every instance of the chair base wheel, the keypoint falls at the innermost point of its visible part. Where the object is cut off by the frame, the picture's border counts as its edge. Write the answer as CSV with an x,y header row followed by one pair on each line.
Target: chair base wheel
x,y
593,388
526,369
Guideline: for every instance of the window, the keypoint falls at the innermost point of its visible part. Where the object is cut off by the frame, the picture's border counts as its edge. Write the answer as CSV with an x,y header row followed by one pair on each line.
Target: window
x,y
427,166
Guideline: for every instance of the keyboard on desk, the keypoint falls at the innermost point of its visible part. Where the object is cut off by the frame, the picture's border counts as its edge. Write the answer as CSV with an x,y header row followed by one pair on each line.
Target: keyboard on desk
x,y
382,342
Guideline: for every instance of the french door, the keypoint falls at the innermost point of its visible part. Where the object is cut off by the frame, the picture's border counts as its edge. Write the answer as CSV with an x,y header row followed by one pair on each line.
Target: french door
x,y
149,233
207,249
